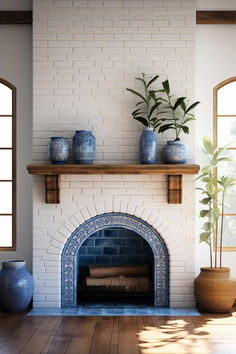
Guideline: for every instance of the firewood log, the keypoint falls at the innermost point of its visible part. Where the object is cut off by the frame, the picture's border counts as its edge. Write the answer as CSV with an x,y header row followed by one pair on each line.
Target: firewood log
x,y
109,271
128,284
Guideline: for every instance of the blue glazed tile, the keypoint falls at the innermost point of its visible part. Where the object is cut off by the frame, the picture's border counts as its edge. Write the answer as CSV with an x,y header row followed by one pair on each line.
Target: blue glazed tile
x,y
119,260
102,242
103,260
118,242
134,242
88,242
110,251
110,233
126,251
82,251
86,260
95,251
123,310
134,260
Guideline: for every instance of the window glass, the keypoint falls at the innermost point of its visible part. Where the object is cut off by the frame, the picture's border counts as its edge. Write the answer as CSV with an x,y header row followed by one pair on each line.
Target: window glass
x,y
6,197
6,164
6,230
225,133
5,100
226,102
229,229
5,132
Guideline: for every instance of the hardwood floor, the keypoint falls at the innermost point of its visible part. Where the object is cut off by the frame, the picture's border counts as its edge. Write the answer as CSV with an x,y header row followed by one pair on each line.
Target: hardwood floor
x,y
118,335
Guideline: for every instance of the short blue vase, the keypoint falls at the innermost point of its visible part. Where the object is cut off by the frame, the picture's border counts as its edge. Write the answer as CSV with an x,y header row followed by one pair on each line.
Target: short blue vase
x,y
148,146
175,152
84,147
17,286
58,150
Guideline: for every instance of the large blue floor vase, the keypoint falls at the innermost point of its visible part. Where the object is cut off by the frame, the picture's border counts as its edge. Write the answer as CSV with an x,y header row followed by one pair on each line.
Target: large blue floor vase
x,y
175,152
16,286
148,146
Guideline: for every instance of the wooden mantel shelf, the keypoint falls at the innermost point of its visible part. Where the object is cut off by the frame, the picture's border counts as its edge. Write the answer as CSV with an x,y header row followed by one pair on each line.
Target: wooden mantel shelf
x,y
52,175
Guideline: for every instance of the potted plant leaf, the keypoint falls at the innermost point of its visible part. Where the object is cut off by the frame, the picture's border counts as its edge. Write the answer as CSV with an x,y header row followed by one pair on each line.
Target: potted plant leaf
x,y
214,288
176,151
147,112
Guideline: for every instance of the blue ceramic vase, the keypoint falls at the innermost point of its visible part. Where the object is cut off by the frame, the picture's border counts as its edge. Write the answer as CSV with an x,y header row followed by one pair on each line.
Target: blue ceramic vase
x,y
16,285
175,152
148,146
84,147
58,150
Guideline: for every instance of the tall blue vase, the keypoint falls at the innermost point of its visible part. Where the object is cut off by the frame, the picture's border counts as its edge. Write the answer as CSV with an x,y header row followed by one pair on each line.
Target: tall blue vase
x,y
16,286
84,147
148,146
58,150
175,152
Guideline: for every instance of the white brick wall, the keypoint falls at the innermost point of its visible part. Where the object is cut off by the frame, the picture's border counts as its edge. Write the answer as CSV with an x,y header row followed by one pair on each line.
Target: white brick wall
x,y
85,53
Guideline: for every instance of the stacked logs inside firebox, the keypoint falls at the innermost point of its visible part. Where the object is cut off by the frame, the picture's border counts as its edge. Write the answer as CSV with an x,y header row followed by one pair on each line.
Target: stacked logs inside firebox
x,y
119,279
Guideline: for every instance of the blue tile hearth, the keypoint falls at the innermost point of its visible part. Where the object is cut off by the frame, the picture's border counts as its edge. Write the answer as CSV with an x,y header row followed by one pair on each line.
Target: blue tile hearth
x,y
97,310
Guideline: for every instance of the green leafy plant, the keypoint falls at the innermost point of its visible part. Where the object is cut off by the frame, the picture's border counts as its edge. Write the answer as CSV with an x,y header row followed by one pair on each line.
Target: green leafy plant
x,y
180,112
212,188
148,110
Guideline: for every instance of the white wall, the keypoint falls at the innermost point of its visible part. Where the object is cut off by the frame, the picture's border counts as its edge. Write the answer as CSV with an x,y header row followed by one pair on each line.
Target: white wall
x,y
215,62
16,67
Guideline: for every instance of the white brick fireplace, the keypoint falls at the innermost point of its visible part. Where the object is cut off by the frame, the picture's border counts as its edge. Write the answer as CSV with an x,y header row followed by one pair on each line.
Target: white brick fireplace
x,y
85,53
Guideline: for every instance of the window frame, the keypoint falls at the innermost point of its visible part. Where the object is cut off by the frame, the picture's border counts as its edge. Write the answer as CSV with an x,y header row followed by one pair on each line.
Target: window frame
x,y
215,142
13,148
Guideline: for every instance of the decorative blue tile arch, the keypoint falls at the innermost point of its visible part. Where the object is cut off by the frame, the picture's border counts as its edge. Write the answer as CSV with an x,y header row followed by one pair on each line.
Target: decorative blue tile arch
x,y
69,266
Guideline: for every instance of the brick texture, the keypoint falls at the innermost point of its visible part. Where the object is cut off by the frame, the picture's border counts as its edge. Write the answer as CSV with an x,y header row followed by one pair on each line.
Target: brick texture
x,y
85,54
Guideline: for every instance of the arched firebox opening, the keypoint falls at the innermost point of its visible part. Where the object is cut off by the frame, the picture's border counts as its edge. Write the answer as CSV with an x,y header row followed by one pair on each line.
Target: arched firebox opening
x,y
114,240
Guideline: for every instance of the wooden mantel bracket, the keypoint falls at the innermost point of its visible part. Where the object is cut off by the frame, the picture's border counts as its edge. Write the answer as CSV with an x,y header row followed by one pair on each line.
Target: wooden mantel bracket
x,y
52,175
175,186
52,189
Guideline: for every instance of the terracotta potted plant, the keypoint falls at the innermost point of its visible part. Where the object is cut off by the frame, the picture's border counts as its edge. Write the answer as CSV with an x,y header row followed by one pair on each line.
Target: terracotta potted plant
x,y
175,151
214,288
147,112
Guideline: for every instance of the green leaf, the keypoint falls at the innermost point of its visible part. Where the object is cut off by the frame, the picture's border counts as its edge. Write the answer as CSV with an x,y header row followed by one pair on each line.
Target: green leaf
x,y
142,120
137,94
139,103
183,106
192,106
165,127
142,80
205,201
208,145
185,129
203,213
178,102
152,80
204,236
166,86
188,120
154,108
207,226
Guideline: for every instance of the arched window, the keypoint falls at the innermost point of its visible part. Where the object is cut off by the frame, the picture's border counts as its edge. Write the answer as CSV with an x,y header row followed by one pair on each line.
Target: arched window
x,y
7,166
224,133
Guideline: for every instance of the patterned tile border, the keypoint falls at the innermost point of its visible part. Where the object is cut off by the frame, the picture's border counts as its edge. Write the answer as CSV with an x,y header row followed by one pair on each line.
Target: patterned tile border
x,y
69,261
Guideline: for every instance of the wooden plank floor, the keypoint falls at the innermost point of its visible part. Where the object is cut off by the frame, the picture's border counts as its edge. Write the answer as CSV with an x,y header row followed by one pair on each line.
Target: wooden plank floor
x,y
118,335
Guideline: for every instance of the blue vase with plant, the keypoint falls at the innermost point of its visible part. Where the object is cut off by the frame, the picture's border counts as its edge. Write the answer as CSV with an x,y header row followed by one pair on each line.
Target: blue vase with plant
x,y
147,113
175,151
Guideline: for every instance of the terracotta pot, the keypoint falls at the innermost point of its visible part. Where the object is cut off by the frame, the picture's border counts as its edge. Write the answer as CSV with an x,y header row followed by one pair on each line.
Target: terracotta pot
x,y
215,290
